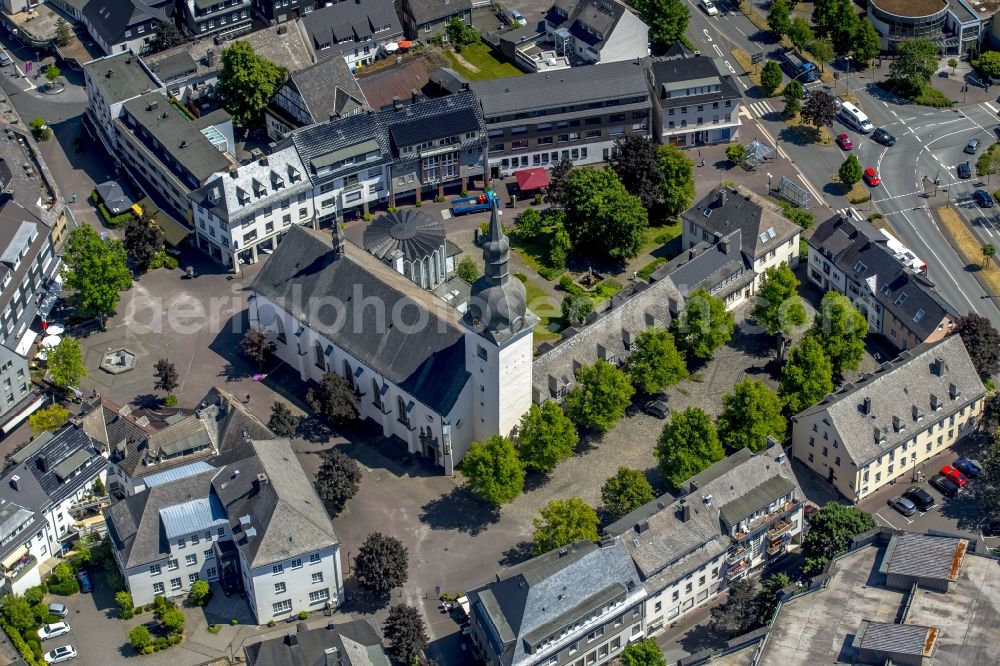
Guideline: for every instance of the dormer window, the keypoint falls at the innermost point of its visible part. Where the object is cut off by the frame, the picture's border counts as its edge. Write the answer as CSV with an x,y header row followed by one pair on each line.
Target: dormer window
x,y
277,182
242,195
935,402
860,267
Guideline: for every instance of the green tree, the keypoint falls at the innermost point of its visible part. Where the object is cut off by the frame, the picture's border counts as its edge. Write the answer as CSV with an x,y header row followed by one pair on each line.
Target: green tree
x,y
559,247
405,630
494,472
634,159
986,489
988,64
468,270
989,251
841,331
793,91
561,522
867,43
704,325
334,399
99,488
52,73
97,270
953,64
126,607
739,613
257,345
382,564
247,83
140,638
677,185
982,341
283,422
915,63
529,223
655,363
779,18
602,218
807,376
770,77
18,614
51,418
40,129
799,32
575,307
166,36
688,444
338,479
850,171
792,108
830,531
64,33
735,152
626,491
822,50
545,437
846,28
779,307
667,21
643,653
166,376
200,591
460,34
749,414
558,178
143,240
65,362
172,619
599,399
773,585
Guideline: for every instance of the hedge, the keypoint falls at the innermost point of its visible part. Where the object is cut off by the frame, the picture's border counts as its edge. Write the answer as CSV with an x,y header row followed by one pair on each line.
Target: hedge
x,y
113,221
20,645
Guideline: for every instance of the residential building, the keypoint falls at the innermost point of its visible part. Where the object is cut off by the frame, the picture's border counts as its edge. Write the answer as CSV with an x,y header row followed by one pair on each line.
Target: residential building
x,y
730,521
112,81
225,18
576,114
28,268
41,495
693,104
358,31
354,643
424,19
596,31
279,11
435,143
925,575
885,425
120,26
322,92
578,604
727,220
170,153
884,280
244,211
409,80
436,378
254,525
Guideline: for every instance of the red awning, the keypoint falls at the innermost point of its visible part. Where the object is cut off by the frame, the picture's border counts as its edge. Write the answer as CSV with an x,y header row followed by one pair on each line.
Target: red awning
x,y
405,44
532,179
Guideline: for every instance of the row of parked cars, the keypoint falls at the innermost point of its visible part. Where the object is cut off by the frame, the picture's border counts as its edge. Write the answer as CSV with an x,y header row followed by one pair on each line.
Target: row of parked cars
x,y
949,482
61,628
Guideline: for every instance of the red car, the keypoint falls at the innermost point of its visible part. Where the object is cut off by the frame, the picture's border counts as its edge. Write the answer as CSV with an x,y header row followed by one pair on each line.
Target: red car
x,y
844,142
956,477
871,177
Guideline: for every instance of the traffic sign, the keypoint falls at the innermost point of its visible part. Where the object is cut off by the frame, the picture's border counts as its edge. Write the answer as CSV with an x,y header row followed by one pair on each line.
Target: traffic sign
x,y
756,58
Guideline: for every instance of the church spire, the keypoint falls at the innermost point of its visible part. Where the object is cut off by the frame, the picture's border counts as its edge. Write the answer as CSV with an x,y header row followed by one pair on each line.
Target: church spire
x,y
496,251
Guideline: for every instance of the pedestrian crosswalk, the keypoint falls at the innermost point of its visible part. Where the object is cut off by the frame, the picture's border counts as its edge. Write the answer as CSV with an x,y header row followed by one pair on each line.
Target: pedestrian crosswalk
x,y
850,214
758,109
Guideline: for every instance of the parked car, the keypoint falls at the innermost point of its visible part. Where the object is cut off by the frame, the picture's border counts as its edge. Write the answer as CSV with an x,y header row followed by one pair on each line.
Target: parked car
x,y
903,505
871,177
956,477
982,199
517,19
996,130
944,485
5,60
964,170
972,147
60,654
967,467
991,528
883,137
844,142
656,408
53,630
84,579
923,499
59,610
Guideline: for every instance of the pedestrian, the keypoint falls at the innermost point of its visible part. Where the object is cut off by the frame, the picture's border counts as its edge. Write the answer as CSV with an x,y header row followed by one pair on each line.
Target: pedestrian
x,y
248,398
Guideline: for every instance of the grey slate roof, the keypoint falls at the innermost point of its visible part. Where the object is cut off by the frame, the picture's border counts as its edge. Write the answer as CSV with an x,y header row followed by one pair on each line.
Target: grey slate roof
x,y
120,77
344,137
677,70
704,266
632,311
535,599
576,85
428,363
114,197
328,88
732,209
371,21
924,556
850,243
903,389
112,18
432,119
426,11
600,16
409,233
309,647
230,423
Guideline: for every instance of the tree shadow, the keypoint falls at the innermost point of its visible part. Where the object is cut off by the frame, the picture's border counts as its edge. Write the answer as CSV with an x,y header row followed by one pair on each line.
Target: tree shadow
x,y
459,510
966,510
147,401
753,345
520,552
589,440
701,637
799,135
359,600
314,430
534,480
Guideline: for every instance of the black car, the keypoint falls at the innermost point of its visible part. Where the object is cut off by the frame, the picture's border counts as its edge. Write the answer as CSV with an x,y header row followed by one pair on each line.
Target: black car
x,y
946,486
656,408
883,137
920,497
983,200
964,170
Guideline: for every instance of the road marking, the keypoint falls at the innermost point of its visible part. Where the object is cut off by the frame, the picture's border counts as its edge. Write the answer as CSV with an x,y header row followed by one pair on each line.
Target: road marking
x,y
885,105
883,518
738,29
898,196
760,109
894,114
989,106
717,49
729,66
707,36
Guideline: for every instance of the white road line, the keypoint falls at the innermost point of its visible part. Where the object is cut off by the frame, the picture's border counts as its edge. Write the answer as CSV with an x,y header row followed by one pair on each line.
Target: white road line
x,y
739,79
886,521
707,36
729,66
717,49
885,105
989,106
738,29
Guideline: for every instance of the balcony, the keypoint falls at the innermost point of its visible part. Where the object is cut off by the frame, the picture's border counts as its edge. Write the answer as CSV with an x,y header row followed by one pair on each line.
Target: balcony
x,y
779,528
776,547
782,511
22,566
734,559
738,571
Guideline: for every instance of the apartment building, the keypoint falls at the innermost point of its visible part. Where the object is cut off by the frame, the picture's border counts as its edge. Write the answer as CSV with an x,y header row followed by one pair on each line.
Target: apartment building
x,y
325,91
730,521
271,12
435,143
884,280
576,114
424,19
355,643
596,31
40,494
111,81
882,427
580,604
225,18
357,31
122,26
254,525
693,104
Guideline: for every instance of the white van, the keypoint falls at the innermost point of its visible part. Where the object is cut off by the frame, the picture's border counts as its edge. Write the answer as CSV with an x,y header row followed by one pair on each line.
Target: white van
x,y
855,117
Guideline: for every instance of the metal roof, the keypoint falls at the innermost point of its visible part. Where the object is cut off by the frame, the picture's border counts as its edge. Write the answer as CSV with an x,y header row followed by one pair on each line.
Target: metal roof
x,y
412,233
895,638
192,516
176,473
924,556
19,243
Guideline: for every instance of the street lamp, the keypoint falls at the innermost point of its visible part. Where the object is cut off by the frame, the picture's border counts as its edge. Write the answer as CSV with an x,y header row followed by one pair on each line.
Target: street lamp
x,y
848,59
768,182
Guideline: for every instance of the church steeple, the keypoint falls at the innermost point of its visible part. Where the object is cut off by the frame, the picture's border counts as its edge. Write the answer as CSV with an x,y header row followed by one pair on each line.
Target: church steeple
x,y
496,251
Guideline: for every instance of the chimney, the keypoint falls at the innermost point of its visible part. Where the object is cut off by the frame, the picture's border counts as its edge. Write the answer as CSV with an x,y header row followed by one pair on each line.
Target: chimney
x,y
291,640
42,464
897,424
641,527
397,103
953,391
153,106
879,438
15,482
563,552
210,57
940,367
726,244
866,406
685,511
722,197
262,479
184,144
935,402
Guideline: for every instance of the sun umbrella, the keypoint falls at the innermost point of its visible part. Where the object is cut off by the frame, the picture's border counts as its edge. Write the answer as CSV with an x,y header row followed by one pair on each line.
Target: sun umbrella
x,y
55,329
51,341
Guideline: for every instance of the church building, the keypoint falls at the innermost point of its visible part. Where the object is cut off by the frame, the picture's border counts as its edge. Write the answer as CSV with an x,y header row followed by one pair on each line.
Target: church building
x,y
432,376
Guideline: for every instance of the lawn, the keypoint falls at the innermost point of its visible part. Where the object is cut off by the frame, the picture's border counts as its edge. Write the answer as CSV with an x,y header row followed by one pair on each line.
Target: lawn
x,y
486,62
969,247
659,235
548,312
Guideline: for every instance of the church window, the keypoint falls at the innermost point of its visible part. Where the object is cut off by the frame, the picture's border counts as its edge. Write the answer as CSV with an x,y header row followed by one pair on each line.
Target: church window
x,y
481,352
404,417
377,394
280,326
318,354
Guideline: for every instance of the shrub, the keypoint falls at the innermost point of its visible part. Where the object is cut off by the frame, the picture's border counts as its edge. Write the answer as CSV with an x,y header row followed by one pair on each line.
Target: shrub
x,y
39,129
163,260
140,638
216,628
419,203
304,615
174,639
271,623
161,643
538,199
234,622
113,221
932,97
439,199
170,400
200,593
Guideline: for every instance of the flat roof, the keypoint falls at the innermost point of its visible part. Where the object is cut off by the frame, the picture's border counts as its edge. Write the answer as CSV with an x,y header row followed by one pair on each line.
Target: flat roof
x,y
910,8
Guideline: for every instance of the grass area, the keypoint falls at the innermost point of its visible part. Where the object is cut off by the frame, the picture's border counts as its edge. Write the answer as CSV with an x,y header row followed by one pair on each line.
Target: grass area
x,y
807,132
925,96
535,252
657,236
548,313
882,224
969,247
485,60
649,268
859,194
